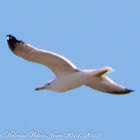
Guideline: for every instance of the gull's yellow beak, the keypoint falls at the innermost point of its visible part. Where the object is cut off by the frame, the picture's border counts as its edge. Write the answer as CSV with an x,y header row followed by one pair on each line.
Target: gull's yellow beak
x,y
40,88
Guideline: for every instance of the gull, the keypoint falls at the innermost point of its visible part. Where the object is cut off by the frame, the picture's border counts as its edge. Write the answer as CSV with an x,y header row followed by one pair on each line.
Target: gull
x,y
67,75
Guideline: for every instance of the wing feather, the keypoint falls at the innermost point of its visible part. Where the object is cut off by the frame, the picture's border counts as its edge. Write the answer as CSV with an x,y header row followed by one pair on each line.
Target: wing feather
x,y
57,63
105,84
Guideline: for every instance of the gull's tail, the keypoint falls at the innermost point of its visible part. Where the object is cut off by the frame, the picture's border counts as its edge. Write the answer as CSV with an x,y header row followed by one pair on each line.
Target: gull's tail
x,y
100,82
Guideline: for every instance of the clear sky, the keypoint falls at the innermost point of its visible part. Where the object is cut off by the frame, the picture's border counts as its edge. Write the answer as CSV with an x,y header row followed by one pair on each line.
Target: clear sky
x,y
92,34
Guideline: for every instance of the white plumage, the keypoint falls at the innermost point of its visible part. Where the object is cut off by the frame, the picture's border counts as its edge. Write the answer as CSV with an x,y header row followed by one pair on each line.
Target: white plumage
x,y
68,76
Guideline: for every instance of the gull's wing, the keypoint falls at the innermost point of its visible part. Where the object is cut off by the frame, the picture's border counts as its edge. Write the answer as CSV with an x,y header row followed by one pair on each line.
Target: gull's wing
x,y
57,63
102,83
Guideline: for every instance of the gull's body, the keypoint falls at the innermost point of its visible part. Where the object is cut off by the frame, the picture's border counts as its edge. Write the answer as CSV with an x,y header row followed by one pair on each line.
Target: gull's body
x,y
68,76
69,81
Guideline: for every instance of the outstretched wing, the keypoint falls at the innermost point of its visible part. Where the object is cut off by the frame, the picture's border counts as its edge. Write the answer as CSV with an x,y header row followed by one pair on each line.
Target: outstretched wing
x,y
57,63
100,82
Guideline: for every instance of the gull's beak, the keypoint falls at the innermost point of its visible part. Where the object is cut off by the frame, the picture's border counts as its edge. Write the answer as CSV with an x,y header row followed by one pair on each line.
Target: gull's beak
x,y
40,88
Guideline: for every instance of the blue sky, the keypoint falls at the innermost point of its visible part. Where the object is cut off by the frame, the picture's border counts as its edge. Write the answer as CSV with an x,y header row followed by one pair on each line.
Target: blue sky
x,y
92,34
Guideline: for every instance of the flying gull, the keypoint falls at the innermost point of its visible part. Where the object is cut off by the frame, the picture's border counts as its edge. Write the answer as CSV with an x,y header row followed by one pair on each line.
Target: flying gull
x,y
68,76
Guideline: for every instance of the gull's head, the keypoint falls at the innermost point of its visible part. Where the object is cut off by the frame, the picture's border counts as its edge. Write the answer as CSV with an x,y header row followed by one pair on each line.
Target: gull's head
x,y
12,42
46,87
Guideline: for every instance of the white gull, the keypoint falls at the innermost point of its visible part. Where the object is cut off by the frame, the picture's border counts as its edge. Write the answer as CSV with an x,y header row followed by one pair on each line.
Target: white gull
x,y
68,76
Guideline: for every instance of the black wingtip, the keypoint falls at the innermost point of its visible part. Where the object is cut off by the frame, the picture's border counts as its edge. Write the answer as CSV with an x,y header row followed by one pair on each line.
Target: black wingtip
x,y
10,37
129,90
126,91
12,41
